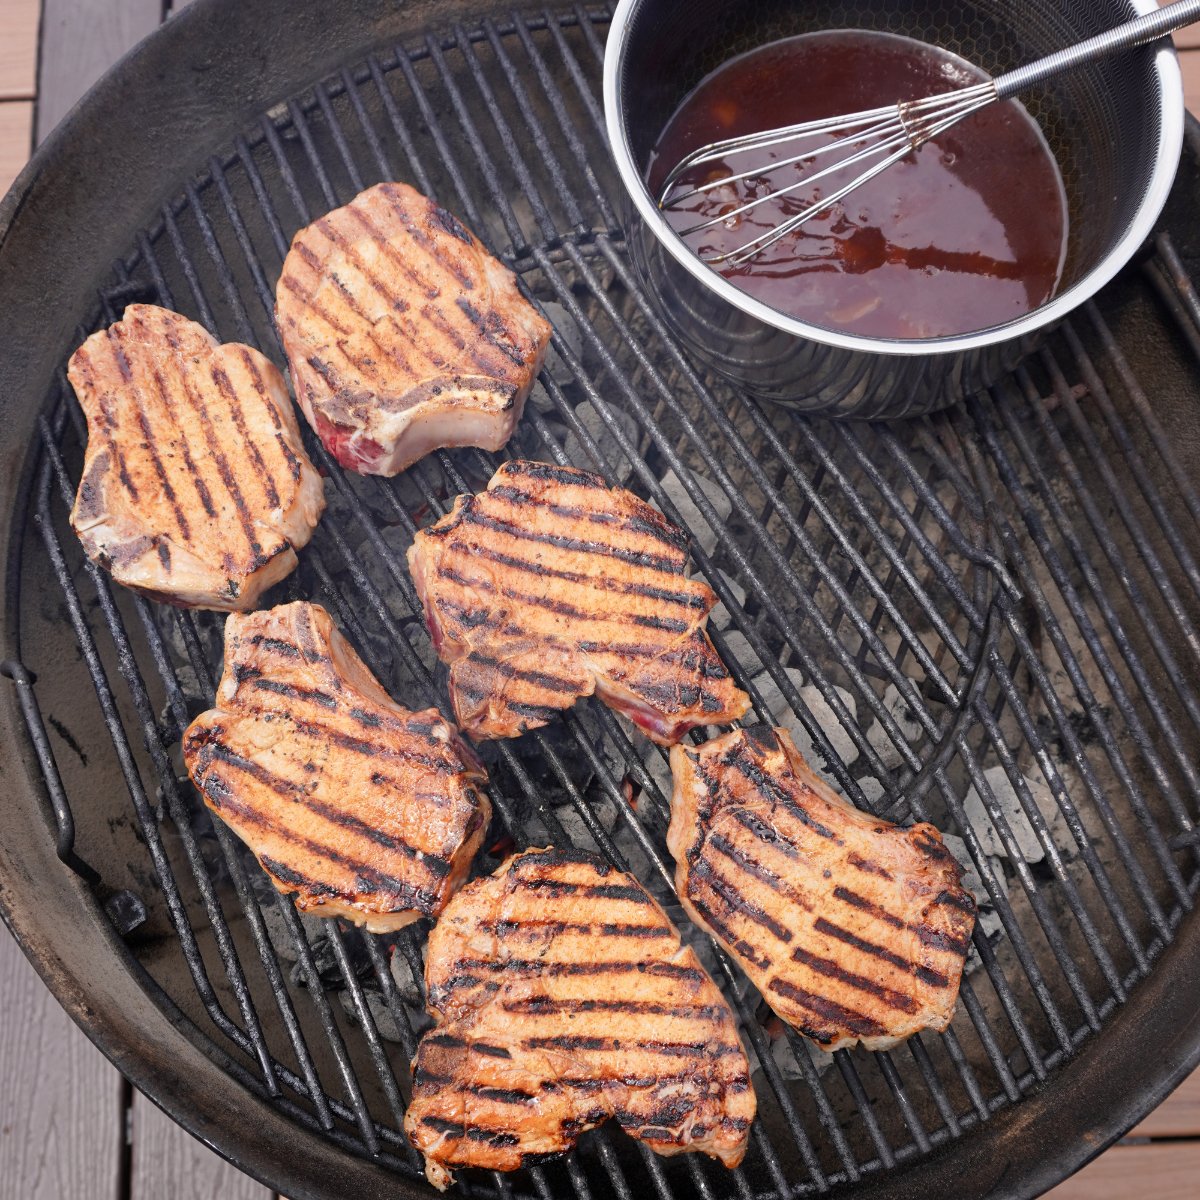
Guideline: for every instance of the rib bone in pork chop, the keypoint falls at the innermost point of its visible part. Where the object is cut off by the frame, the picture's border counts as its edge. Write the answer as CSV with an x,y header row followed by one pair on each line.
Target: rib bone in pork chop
x,y
563,997
196,489
403,333
365,810
550,585
853,929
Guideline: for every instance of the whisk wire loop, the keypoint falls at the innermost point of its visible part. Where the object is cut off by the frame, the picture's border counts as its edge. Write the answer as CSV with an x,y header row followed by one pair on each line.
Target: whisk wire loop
x,y
902,129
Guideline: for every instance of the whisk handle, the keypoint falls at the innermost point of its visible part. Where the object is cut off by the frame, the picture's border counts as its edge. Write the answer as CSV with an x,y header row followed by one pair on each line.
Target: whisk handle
x,y
1133,33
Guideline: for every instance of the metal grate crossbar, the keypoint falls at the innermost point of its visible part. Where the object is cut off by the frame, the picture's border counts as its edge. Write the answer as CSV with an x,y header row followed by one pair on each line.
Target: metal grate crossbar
x,y
985,619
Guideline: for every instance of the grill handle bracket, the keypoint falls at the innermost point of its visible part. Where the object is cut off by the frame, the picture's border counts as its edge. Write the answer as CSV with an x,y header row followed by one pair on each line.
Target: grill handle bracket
x,y
24,680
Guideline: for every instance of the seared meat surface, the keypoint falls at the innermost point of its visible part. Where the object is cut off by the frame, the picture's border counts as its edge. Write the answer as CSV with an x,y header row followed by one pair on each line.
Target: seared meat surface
x,y
196,489
853,929
563,997
363,809
550,585
403,333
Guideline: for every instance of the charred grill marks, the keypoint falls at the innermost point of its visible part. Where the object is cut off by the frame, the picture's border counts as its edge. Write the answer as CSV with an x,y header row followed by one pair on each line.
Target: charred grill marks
x,y
436,864
829,1010
832,970
591,549
625,587
821,925
298,790
164,400
378,344
578,1054
637,558
852,929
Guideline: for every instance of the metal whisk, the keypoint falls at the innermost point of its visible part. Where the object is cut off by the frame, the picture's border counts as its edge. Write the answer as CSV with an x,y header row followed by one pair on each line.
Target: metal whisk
x,y
890,133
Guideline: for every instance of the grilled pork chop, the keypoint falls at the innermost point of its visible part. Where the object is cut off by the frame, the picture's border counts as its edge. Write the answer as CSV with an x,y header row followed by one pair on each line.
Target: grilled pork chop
x,y
195,489
367,811
563,997
550,585
403,333
853,929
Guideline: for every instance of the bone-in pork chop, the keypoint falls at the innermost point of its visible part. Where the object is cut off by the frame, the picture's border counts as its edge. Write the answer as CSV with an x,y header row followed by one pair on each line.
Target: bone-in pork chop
x,y
403,333
365,810
196,489
853,929
550,585
563,997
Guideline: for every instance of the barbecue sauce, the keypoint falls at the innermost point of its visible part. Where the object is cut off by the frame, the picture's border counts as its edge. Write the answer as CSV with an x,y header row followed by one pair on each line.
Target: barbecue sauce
x,y
967,232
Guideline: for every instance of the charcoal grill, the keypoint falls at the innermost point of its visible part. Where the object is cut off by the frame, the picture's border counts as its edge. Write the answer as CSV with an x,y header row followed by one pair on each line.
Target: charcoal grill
x,y
986,618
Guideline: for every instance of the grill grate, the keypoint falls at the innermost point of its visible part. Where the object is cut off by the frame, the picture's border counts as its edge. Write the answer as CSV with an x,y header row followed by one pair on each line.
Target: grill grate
x,y
987,612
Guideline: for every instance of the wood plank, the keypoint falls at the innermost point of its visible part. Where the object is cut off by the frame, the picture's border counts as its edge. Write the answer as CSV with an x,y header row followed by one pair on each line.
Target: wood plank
x,y
169,1162
1189,35
16,129
61,1120
18,48
1189,62
1177,1116
1156,1170
81,39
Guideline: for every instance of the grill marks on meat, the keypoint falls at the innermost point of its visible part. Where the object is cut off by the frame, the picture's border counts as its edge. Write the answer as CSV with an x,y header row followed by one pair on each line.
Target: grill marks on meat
x,y
365,810
403,333
196,489
853,929
550,585
564,997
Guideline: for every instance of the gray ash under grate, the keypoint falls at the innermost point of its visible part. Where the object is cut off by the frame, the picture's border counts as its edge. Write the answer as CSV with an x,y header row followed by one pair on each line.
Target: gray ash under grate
x,y
986,619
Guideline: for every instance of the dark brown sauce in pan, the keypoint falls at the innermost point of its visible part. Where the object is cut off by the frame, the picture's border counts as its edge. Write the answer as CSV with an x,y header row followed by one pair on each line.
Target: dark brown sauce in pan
x,y
968,232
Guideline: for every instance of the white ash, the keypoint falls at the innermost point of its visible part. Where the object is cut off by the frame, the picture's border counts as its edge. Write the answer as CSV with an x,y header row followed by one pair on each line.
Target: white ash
x,y
270,904
539,399
194,698
209,629
737,651
910,728
992,929
900,650
410,989
1009,804
872,790
689,512
988,918
778,710
567,329
719,618
972,880
659,770
840,739
609,448
382,1015
371,562
785,1049
834,730
278,932
339,513
576,829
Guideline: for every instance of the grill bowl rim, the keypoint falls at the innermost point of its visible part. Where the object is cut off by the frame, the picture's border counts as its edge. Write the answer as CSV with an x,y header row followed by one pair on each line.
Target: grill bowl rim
x,y
59,923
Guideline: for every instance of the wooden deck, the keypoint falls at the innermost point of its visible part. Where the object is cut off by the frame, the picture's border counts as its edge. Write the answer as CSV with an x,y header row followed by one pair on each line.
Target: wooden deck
x,y
70,1127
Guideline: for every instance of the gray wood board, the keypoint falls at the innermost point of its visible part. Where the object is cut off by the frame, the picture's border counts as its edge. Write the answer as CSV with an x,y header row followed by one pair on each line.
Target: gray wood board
x,y
169,1162
81,39
61,1118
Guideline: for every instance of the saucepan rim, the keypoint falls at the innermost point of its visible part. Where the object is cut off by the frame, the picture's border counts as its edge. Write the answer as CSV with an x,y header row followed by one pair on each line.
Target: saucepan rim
x,y
1170,145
